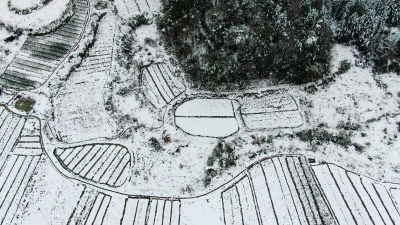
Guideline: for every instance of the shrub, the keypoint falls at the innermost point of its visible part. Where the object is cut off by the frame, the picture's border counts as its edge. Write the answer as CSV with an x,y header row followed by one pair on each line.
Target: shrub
x,y
25,104
166,137
137,21
319,136
344,66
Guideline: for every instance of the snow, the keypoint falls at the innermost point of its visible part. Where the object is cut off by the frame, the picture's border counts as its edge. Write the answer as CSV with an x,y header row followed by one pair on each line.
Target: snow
x,y
354,197
36,20
206,108
25,4
232,207
178,168
48,186
333,195
273,120
207,127
369,205
211,212
340,53
280,205
262,195
354,97
395,192
130,8
388,202
351,197
247,201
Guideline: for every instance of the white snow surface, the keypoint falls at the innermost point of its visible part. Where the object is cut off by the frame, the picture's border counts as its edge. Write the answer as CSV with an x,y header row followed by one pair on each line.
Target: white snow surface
x,y
36,19
208,127
206,108
25,4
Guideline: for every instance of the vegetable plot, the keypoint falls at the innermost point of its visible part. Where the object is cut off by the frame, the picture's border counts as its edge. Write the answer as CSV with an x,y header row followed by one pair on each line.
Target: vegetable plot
x,y
160,85
273,111
99,163
279,190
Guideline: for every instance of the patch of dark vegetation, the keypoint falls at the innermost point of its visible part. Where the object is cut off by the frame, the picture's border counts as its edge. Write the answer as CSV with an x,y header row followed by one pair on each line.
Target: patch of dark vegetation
x,y
344,66
16,34
127,50
366,24
319,136
101,5
155,144
137,21
25,104
230,42
348,126
222,158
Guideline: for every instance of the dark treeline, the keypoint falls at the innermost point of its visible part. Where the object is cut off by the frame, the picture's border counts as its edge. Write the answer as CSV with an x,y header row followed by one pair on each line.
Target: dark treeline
x,y
232,41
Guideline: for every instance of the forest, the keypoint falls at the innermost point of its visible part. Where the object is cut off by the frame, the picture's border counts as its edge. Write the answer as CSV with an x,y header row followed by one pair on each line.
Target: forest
x,y
286,41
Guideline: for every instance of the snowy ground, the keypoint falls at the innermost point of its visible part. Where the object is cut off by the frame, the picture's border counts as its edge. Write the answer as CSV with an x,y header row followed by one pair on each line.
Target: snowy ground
x,y
179,140
36,20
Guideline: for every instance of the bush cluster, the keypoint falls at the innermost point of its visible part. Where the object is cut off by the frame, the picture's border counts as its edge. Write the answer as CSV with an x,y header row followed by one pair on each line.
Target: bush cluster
x,y
222,157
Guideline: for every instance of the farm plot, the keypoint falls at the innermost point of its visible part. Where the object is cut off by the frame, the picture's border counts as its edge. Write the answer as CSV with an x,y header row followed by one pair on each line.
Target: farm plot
x,y
41,55
83,208
275,111
161,211
207,117
100,55
356,199
76,121
98,210
20,153
159,84
130,8
395,192
100,163
279,190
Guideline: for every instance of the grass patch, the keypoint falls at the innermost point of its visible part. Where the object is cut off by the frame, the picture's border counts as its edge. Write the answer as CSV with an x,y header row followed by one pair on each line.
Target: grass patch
x,y
25,105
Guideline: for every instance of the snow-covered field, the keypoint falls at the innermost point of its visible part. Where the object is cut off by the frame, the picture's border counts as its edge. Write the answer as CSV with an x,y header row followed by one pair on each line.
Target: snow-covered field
x,y
207,117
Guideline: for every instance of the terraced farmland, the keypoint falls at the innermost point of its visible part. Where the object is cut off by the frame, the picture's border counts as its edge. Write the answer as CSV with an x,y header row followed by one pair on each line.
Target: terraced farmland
x,y
356,199
281,190
99,163
21,151
151,211
41,55
129,8
88,84
272,111
160,85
